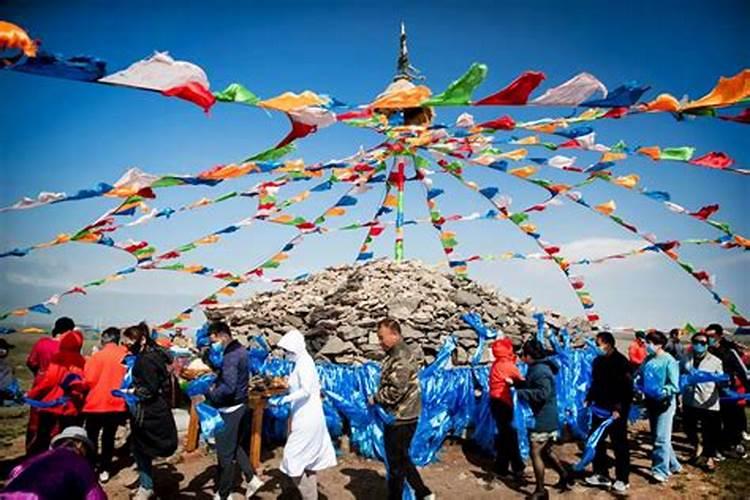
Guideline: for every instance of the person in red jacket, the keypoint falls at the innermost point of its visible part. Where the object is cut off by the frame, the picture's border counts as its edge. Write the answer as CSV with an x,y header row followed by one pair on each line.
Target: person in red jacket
x,y
104,412
59,392
502,375
38,360
637,350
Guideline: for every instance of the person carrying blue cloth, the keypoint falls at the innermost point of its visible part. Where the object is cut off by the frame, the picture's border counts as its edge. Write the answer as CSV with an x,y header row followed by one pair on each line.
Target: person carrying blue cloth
x,y
612,391
539,391
660,382
701,403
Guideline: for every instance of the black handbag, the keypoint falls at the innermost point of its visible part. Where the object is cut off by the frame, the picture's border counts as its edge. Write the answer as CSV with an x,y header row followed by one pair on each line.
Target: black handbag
x,y
658,406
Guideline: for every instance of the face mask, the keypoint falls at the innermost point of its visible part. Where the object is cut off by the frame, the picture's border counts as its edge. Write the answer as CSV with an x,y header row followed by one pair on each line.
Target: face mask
x,y
650,348
134,348
711,341
600,351
699,348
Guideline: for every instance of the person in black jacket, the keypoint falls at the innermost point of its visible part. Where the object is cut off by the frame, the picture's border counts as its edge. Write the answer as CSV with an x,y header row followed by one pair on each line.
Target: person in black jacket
x,y
611,390
733,418
538,389
229,395
152,427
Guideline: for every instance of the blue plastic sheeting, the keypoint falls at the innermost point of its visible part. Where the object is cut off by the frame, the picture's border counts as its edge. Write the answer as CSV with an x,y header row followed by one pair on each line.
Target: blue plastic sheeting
x,y
523,419
699,377
590,449
210,420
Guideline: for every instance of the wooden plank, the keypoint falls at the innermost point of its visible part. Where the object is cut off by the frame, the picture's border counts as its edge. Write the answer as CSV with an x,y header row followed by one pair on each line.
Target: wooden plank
x,y
191,440
258,404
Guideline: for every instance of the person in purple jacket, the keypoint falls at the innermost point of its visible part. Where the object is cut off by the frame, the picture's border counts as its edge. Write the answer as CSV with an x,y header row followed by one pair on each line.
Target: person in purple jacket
x,y
68,466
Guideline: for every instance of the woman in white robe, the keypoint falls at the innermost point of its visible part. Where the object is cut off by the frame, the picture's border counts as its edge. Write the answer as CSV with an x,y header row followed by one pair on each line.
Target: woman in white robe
x,y
308,447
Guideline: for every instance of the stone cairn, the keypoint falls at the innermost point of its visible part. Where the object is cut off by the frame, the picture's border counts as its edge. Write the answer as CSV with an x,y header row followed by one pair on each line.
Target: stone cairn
x,y
338,310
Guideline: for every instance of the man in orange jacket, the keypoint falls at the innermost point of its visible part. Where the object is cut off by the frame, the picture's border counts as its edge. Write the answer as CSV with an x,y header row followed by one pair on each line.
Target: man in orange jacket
x,y
104,412
637,350
58,392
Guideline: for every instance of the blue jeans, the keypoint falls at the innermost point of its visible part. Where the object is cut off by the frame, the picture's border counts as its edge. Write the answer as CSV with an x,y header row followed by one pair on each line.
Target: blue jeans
x,y
663,460
144,464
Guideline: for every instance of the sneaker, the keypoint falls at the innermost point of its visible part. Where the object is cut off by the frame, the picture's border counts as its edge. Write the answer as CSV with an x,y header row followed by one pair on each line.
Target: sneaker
x,y
659,478
103,476
253,486
620,487
598,480
143,494
719,457
431,496
745,436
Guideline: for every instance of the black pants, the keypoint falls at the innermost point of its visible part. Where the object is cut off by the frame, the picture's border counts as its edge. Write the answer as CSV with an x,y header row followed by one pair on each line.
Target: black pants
x,y
733,421
49,425
106,424
618,435
231,446
397,442
506,441
710,428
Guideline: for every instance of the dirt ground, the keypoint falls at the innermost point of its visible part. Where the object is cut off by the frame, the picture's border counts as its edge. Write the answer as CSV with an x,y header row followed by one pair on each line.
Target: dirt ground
x,y
461,473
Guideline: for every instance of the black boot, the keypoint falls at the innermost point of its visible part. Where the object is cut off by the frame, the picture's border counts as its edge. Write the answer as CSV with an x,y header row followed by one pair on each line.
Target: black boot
x,y
542,494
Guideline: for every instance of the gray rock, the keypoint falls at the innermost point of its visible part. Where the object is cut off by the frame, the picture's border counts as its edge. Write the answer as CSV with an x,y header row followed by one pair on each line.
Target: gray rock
x,y
334,346
464,298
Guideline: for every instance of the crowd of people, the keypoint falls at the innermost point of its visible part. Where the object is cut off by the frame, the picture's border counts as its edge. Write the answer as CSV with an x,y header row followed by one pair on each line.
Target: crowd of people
x,y
650,376
78,404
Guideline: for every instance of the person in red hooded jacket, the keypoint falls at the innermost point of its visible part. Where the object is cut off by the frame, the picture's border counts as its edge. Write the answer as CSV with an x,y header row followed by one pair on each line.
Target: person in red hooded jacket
x,y
59,392
502,375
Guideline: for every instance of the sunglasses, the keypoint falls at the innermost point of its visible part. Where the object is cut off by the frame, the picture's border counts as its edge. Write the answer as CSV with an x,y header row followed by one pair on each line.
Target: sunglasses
x,y
700,342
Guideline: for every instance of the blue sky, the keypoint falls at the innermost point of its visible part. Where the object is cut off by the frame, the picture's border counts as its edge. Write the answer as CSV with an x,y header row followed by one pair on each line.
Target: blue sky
x,y
60,135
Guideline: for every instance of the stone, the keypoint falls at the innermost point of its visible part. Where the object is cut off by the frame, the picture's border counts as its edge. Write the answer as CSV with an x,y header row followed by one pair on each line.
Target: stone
x,y
334,346
352,332
464,298
408,332
403,306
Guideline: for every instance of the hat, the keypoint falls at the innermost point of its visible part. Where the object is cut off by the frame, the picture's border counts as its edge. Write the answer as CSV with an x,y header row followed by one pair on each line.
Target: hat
x,y
73,432
4,344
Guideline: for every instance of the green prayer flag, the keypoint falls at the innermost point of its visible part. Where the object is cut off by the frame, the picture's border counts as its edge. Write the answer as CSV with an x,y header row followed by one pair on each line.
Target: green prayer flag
x,y
690,328
167,182
273,153
459,92
225,196
186,248
519,218
677,154
237,93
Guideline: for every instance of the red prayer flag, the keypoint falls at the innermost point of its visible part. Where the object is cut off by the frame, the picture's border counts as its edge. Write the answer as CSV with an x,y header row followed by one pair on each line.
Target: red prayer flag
x,y
714,159
193,92
740,321
502,123
517,92
705,212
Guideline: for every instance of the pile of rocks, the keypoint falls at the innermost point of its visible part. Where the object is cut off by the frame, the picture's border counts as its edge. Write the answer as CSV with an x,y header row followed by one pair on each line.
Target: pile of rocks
x,y
338,310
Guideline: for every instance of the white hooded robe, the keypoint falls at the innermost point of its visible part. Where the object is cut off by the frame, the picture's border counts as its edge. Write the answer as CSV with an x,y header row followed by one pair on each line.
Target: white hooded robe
x,y
308,446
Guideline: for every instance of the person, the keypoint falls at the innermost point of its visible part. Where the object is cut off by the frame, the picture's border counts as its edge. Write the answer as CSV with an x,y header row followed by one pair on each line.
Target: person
x,y
8,382
501,404
229,395
701,403
538,390
104,412
37,361
152,427
64,471
660,382
59,392
733,418
674,346
611,390
308,447
400,395
637,350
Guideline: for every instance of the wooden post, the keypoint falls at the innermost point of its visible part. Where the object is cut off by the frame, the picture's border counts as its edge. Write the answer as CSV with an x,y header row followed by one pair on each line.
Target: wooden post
x,y
191,440
258,404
